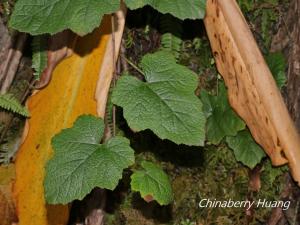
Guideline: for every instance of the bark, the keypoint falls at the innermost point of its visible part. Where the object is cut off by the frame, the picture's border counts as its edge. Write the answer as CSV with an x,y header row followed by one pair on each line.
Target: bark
x,y
288,40
252,91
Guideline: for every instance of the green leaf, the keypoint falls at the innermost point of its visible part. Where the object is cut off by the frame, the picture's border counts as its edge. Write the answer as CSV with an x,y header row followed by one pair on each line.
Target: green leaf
x,y
270,173
246,5
39,55
245,149
187,9
10,103
152,182
52,16
222,120
277,64
165,103
80,163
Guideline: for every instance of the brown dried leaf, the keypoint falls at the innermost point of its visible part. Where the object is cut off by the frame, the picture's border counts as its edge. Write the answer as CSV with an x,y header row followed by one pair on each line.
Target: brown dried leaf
x,y
7,207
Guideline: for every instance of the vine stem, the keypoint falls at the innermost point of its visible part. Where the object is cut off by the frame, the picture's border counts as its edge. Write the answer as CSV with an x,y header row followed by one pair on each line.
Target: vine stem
x,y
134,66
114,70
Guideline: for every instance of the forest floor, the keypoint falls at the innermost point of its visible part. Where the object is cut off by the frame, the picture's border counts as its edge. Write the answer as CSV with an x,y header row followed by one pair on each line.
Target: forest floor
x,y
195,172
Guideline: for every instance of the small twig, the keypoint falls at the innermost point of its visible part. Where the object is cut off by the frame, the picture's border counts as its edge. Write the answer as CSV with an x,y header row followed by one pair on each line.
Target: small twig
x,y
114,69
123,54
134,66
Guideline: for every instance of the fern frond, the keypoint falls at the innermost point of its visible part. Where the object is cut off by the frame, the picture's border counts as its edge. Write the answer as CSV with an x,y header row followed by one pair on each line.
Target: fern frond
x,y
171,43
171,29
8,102
39,55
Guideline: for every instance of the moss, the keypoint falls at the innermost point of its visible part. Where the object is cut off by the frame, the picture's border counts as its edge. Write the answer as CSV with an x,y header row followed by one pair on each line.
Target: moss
x,y
197,172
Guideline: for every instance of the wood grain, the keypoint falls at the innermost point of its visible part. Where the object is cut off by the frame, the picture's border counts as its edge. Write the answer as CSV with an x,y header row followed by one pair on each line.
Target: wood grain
x,y
252,90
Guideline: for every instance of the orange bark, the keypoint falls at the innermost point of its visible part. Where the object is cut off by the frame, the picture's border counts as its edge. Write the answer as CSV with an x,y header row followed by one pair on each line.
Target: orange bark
x,y
70,93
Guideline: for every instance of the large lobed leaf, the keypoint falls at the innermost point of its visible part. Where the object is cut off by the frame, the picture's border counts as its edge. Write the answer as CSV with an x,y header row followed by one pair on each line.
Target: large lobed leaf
x,y
165,103
222,121
277,64
245,149
80,163
152,182
182,9
52,16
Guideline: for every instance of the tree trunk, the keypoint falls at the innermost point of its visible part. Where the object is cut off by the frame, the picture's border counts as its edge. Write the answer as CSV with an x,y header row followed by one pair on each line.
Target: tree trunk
x,y
288,40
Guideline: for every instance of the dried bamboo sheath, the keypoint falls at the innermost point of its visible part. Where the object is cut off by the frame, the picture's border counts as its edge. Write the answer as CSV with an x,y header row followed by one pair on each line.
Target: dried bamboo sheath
x,y
252,90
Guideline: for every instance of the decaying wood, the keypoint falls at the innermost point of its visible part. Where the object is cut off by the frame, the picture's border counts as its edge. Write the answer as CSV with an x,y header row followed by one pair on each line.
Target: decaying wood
x,y
7,207
107,70
252,90
69,94
10,66
59,47
98,202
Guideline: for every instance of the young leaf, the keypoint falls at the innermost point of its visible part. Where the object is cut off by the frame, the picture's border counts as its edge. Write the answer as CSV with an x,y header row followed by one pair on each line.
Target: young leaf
x,y
171,38
152,182
245,149
276,63
8,102
165,103
270,173
39,55
222,120
187,9
52,16
80,163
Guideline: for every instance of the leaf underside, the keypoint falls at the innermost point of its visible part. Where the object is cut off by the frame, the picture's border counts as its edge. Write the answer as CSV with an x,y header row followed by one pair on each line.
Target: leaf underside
x,y
52,16
152,182
165,103
80,163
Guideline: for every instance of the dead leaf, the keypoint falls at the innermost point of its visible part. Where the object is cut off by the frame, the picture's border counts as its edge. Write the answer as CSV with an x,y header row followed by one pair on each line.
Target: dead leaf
x,y
148,198
7,207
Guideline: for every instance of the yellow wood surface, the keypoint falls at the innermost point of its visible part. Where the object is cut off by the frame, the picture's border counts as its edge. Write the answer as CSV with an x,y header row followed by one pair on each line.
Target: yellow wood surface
x,y
70,93
252,90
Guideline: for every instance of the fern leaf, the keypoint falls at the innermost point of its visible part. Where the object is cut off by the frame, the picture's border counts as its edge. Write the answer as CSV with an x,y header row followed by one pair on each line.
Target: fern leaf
x,y
39,55
171,28
171,43
8,102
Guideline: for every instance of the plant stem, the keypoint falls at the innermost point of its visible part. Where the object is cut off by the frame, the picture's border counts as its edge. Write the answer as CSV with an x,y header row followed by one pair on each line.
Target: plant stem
x,y
134,66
